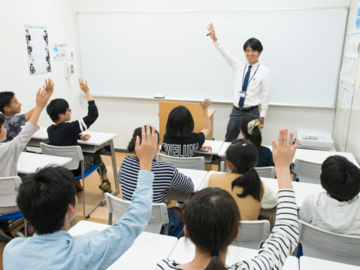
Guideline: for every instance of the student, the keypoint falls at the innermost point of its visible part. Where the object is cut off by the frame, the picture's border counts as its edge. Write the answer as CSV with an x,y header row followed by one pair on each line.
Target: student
x,y
179,139
10,153
243,183
250,128
65,133
338,209
212,223
52,247
166,177
10,107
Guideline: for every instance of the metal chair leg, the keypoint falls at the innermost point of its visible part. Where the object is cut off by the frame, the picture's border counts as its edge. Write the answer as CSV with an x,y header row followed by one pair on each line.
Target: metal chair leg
x,y
25,222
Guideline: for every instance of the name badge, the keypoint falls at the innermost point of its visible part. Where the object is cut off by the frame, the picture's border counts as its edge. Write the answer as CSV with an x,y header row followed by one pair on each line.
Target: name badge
x,y
242,94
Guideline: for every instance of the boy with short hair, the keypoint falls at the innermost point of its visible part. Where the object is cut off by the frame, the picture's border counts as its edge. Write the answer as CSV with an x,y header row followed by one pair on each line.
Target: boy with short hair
x,y
52,247
64,133
338,209
11,108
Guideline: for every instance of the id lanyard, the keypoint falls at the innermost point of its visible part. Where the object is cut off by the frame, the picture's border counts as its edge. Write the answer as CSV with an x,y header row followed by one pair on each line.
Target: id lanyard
x,y
243,86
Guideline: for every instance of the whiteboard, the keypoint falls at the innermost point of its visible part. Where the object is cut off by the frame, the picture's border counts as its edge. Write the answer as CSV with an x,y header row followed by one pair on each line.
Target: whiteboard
x,y
140,54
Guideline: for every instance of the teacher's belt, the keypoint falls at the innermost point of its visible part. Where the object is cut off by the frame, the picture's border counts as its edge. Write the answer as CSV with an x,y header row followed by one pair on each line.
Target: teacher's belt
x,y
246,109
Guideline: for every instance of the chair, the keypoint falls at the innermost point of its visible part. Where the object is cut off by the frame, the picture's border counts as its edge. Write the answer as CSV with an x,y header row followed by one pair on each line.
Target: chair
x,y
9,189
252,234
195,163
321,244
159,216
77,156
268,172
308,172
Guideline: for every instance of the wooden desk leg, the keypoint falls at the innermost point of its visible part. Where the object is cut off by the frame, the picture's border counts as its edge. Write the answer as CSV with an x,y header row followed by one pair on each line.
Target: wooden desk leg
x,y
117,190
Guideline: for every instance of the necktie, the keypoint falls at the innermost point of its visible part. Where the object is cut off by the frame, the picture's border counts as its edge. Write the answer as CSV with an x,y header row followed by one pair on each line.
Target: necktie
x,y
244,87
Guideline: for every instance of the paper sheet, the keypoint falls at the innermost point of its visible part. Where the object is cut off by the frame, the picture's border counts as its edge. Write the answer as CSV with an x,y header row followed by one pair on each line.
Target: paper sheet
x,y
59,51
38,56
349,68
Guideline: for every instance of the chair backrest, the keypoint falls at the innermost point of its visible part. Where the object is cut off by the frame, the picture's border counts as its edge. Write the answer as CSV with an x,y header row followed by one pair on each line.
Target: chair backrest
x,y
325,245
308,172
73,152
268,172
252,234
195,163
158,218
9,189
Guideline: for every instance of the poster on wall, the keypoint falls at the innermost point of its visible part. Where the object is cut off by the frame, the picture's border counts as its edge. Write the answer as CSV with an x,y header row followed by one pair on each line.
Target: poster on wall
x,y
37,44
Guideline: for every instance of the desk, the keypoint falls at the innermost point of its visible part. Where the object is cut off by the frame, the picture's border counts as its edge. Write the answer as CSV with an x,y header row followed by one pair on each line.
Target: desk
x,y
302,190
152,247
308,263
29,162
97,141
83,227
215,145
184,252
196,176
314,156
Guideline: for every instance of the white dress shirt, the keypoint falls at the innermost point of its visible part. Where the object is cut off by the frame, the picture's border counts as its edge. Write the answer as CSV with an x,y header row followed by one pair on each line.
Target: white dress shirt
x,y
258,89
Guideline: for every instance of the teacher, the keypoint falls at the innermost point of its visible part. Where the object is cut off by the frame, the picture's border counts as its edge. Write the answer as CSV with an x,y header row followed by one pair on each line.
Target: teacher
x,y
252,83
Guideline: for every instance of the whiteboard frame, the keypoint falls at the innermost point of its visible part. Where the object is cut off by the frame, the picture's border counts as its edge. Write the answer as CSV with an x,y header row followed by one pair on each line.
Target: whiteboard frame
x,y
333,106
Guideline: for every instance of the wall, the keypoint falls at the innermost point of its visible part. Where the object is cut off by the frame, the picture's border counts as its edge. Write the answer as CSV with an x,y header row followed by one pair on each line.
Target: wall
x,y
14,74
118,115
346,126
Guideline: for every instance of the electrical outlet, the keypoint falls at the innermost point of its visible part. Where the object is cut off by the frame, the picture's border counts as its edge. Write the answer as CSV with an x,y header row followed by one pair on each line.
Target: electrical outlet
x,y
72,69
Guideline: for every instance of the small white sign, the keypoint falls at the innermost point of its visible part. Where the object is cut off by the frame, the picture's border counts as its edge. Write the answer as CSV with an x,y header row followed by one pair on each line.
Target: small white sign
x,y
59,51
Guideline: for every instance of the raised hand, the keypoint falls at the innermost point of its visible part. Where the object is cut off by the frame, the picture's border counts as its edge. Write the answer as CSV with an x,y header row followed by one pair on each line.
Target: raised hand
x,y
83,85
205,104
49,86
148,147
211,30
41,99
283,155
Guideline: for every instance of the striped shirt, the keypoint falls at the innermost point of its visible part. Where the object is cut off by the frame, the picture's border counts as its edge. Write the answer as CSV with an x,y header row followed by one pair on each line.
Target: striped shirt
x,y
282,241
166,177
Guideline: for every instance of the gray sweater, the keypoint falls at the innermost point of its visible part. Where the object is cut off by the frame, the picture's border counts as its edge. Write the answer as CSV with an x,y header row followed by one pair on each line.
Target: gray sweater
x,y
10,151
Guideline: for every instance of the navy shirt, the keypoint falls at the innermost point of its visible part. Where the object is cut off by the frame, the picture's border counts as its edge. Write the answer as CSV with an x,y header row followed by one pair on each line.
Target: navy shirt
x,y
265,157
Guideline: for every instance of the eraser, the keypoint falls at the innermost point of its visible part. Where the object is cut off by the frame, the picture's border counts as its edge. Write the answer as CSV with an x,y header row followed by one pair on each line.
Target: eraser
x,y
159,96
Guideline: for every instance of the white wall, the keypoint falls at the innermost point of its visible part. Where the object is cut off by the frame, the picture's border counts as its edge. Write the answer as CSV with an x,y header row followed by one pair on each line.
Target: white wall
x,y
346,126
118,115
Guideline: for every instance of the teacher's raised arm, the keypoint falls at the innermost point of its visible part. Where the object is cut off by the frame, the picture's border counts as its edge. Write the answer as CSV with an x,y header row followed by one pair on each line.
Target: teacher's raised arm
x,y
252,83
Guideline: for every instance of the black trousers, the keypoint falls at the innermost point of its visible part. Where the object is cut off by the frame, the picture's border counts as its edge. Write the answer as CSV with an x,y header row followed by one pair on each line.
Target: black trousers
x,y
233,127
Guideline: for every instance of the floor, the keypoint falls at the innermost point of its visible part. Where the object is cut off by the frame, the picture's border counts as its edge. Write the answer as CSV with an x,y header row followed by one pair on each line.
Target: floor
x,y
94,196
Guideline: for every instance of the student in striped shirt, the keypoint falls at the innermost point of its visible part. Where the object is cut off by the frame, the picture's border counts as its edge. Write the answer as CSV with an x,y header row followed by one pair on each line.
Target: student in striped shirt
x,y
166,177
212,216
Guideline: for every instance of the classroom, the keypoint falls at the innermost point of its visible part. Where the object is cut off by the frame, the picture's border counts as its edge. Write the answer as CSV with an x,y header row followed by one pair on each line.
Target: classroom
x,y
179,134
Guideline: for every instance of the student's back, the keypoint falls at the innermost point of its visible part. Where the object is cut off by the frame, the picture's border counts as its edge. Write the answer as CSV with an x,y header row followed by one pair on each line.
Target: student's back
x,y
244,184
250,128
179,139
338,209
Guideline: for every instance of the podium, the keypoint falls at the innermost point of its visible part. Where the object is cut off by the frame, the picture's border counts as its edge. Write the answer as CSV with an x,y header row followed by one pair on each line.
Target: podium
x,y
165,107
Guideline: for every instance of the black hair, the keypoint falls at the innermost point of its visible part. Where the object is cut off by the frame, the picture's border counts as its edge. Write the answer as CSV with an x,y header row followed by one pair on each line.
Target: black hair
x,y
5,99
212,220
56,107
26,30
254,44
44,197
244,156
180,123
340,178
138,132
255,136
2,120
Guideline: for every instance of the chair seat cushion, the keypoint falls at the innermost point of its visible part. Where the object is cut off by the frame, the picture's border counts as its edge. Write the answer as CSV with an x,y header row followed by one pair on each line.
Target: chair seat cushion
x,y
88,171
12,216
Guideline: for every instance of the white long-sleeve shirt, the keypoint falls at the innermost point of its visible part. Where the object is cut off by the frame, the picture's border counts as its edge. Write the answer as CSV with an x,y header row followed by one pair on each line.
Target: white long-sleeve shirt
x,y
258,89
